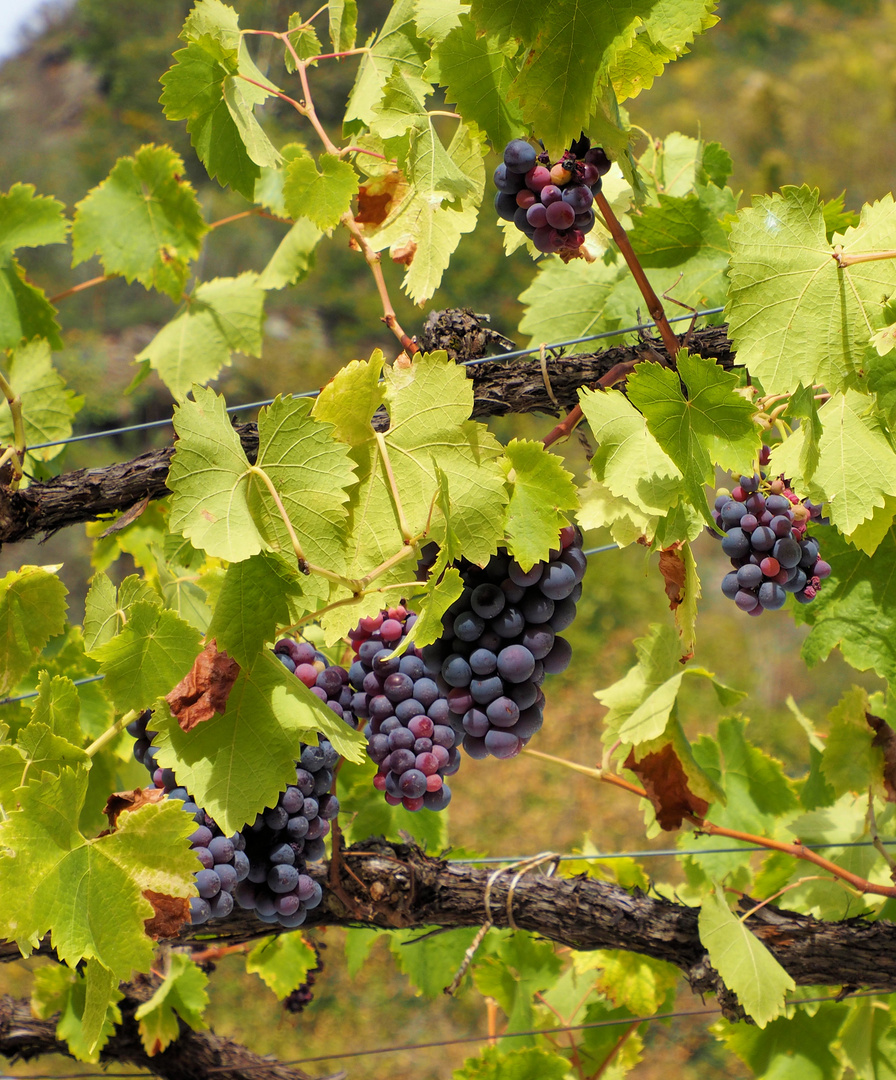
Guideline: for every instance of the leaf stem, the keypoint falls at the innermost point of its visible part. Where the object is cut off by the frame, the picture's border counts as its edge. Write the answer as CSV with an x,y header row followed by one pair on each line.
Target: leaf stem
x,y
250,213
843,260
393,487
89,284
109,734
278,502
393,560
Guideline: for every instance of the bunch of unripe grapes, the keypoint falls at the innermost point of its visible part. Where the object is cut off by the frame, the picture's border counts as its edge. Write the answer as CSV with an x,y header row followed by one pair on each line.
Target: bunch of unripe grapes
x,y
768,544
550,202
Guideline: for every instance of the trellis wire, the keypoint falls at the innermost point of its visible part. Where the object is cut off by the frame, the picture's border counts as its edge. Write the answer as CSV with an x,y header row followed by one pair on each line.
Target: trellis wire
x,y
313,393
626,1021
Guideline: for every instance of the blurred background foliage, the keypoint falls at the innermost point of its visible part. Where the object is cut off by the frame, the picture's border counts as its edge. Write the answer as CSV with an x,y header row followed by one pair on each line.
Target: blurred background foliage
x,y
797,90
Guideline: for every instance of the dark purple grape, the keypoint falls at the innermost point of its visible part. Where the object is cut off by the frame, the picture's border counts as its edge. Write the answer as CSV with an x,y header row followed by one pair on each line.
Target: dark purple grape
x,y
519,156
515,663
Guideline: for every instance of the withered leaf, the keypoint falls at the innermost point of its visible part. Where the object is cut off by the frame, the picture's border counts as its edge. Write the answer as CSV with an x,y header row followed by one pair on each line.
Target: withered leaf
x,y
120,801
379,197
673,570
885,738
403,253
204,690
666,784
171,912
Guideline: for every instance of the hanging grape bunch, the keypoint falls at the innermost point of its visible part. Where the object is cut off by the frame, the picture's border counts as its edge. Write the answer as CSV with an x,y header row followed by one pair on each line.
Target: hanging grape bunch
x,y
550,203
767,542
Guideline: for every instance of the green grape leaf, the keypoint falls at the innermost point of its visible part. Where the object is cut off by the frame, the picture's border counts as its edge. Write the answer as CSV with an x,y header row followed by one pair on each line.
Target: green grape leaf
x,y
180,997
47,406
236,764
744,963
25,311
854,609
476,73
435,19
373,816
663,35
144,221
851,761
153,652
253,600
86,1004
213,19
683,425
304,41
59,882
57,706
204,89
541,493
294,258
343,20
629,460
106,608
322,197
430,963
794,315
856,466
685,231
638,983
282,962
432,602
312,473
802,404
32,610
421,231
208,474
428,404
658,659
269,189
46,752
396,43
794,1047
866,1040
29,221
220,317
526,1063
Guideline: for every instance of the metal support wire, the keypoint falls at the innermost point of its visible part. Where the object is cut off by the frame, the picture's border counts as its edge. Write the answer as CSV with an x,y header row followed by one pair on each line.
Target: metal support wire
x,y
150,424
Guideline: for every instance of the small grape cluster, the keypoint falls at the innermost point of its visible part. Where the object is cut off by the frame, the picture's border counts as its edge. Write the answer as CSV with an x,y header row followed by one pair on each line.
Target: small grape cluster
x,y
500,639
408,734
550,203
767,542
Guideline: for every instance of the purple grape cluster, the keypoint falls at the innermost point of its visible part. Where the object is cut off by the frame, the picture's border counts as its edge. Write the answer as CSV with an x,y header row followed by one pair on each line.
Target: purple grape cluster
x,y
500,639
767,542
263,866
408,734
550,203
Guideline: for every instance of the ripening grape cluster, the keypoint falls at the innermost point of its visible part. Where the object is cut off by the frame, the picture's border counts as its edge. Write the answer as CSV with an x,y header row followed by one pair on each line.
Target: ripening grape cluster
x,y
500,639
477,688
263,866
550,203
767,542
409,736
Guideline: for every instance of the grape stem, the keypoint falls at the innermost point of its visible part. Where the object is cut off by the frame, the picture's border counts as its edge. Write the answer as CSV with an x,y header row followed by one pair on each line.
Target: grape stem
x,y
797,850
109,734
654,304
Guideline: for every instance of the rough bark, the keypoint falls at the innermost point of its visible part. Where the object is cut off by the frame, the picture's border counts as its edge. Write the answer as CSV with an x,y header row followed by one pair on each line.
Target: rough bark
x,y
394,886
193,1055
499,387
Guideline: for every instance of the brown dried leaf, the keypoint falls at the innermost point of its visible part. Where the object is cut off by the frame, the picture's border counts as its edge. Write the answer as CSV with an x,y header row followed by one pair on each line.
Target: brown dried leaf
x,y
126,518
666,784
673,570
120,801
403,253
379,197
885,738
171,912
204,690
